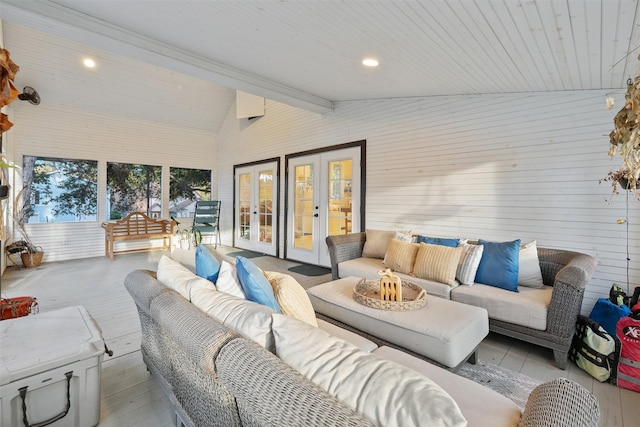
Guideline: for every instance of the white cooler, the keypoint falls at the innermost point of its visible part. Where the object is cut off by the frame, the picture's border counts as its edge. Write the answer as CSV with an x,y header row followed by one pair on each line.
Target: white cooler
x,y
50,362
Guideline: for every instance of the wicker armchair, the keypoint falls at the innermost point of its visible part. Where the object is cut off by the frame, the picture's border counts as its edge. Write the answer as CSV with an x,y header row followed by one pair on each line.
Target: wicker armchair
x,y
568,272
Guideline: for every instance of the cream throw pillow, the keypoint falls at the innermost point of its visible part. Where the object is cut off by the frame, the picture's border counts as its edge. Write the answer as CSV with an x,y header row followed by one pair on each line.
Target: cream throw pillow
x,y
529,273
291,297
385,392
376,244
438,263
401,256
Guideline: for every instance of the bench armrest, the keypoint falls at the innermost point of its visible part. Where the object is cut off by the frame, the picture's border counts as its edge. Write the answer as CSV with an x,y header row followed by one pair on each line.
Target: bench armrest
x,y
343,247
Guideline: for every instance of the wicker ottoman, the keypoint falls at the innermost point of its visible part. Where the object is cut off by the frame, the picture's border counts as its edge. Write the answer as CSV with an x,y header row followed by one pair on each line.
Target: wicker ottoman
x,y
447,332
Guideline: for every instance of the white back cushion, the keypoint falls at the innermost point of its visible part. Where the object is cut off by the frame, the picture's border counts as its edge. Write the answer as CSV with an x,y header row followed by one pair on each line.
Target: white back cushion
x,y
385,392
176,276
249,319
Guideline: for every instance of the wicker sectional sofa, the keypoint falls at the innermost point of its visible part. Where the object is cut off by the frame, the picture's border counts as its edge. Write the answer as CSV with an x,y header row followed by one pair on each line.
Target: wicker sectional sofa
x,y
555,307
274,370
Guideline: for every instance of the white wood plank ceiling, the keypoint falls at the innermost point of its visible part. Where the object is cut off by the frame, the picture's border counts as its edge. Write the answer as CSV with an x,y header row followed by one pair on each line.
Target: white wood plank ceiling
x,y
309,53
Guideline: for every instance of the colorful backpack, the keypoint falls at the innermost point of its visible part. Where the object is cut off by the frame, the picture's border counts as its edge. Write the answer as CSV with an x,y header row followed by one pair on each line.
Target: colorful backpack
x,y
594,350
607,314
628,332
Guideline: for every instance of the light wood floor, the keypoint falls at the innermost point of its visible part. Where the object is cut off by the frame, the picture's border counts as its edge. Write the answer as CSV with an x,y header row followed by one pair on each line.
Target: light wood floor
x,y
131,397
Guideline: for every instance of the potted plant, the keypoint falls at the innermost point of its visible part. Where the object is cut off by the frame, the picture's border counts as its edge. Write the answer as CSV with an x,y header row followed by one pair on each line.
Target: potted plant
x,y
4,183
30,254
625,140
185,239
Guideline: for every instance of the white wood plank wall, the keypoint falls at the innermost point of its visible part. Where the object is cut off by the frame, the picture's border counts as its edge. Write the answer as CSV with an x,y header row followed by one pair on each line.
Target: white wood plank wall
x,y
497,167
80,134
123,110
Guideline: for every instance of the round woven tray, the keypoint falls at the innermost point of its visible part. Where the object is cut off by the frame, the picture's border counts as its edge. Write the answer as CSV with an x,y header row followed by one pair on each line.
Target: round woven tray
x,y
367,292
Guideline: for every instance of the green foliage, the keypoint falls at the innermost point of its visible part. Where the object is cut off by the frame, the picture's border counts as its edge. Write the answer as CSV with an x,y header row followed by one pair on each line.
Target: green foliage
x,y
80,189
186,182
132,186
77,181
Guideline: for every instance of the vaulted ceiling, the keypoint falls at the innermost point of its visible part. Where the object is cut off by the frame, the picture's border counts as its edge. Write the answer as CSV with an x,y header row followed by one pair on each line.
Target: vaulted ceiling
x,y
308,53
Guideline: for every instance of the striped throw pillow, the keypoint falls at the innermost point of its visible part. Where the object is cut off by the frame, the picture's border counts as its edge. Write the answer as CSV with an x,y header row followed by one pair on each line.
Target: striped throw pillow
x,y
469,263
438,263
401,256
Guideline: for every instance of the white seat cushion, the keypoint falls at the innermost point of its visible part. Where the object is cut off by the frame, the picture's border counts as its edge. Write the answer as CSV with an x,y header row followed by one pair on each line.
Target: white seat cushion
x,y
481,406
368,268
528,307
442,330
359,341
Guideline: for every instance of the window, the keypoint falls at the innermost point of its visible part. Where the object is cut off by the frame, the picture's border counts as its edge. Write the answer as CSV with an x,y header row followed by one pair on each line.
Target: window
x,y
133,188
185,187
59,190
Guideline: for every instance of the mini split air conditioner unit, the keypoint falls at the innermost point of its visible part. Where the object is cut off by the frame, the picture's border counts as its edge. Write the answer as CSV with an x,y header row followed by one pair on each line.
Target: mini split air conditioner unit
x,y
249,106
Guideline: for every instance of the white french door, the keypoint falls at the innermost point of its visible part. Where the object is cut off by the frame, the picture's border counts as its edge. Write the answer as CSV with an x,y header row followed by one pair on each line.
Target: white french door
x,y
256,220
323,197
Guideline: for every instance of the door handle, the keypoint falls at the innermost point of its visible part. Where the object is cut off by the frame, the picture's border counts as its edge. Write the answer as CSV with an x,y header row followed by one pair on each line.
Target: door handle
x,y
316,215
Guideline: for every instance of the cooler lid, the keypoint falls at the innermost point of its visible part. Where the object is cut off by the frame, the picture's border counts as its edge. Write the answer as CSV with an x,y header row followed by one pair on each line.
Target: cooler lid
x,y
33,344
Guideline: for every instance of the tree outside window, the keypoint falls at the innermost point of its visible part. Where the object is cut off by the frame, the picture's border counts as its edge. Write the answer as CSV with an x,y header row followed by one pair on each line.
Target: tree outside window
x,y
185,188
133,188
59,190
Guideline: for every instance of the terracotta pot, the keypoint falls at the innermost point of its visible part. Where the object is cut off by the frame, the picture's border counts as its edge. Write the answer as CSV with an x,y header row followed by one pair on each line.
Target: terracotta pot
x,y
31,260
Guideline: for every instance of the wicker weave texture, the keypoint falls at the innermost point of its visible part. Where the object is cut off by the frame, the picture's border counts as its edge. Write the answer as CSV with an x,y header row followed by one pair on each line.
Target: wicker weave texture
x,y
198,334
277,395
199,391
367,293
561,403
154,345
143,287
344,247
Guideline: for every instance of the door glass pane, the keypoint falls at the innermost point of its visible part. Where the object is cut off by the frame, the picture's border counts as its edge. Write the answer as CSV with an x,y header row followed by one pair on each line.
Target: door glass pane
x,y
303,207
244,206
339,203
265,187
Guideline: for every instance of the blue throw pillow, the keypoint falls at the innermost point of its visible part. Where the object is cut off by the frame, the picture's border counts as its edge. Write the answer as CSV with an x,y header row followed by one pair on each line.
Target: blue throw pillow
x,y
255,286
452,243
499,264
207,265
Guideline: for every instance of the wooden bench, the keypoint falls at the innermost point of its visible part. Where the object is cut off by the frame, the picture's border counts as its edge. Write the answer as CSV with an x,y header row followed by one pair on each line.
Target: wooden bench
x,y
137,226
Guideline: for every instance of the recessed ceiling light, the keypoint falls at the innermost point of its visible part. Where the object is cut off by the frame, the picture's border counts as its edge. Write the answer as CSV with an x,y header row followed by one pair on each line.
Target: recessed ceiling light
x,y
89,63
370,62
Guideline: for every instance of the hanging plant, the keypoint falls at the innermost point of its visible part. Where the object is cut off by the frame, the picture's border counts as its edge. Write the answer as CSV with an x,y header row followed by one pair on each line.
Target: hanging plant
x,y
625,141
4,186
